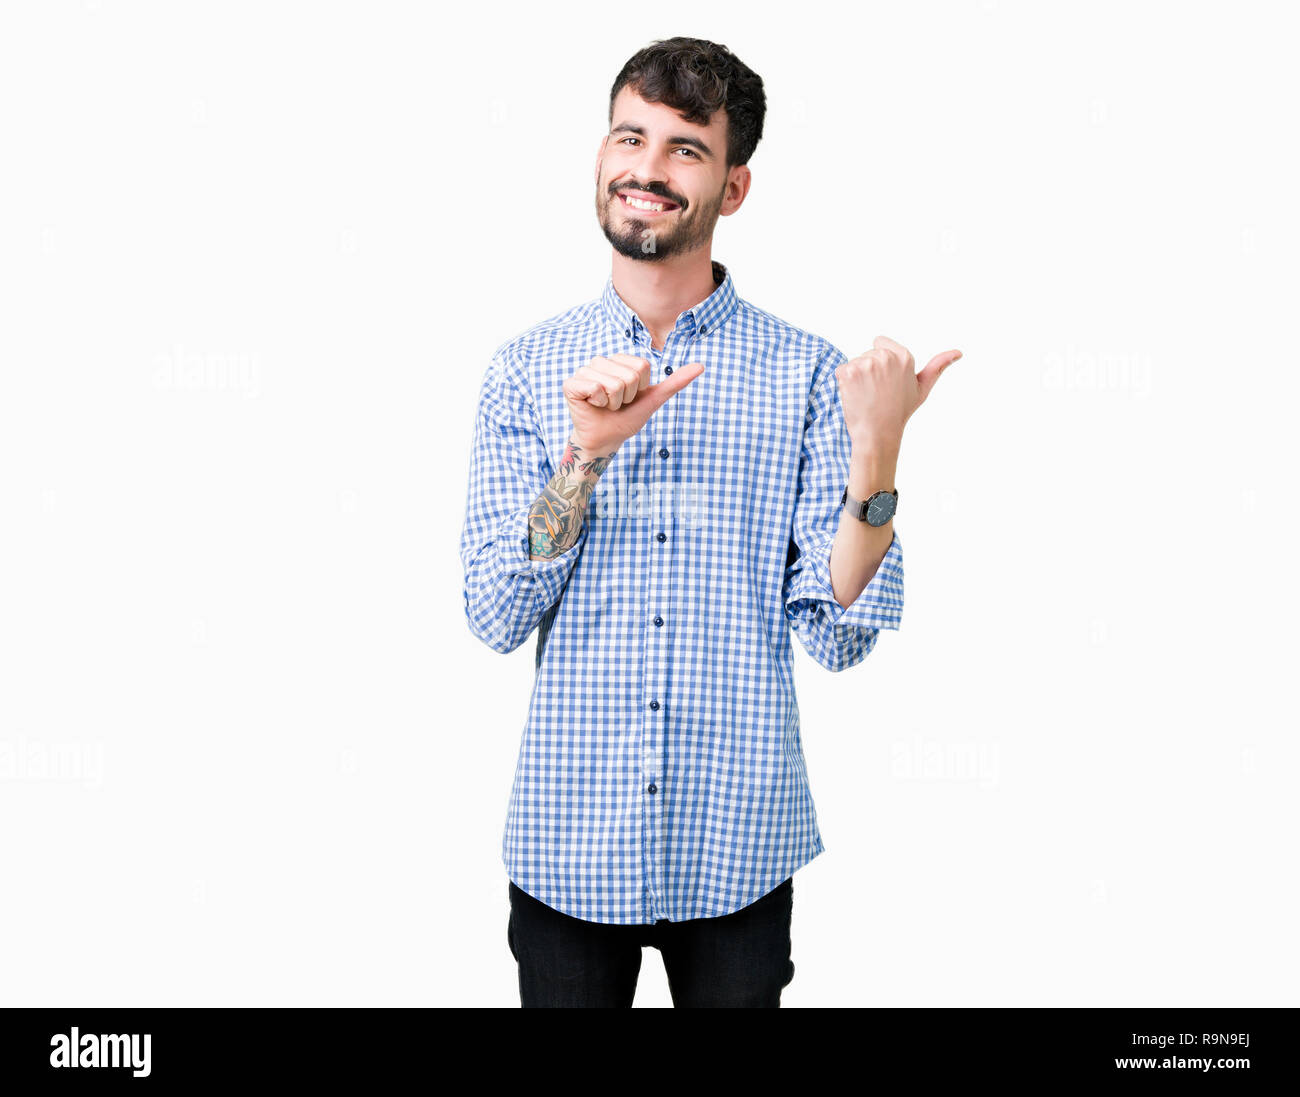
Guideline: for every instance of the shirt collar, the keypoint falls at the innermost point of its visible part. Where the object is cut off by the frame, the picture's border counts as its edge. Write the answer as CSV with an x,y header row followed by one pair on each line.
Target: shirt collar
x,y
706,317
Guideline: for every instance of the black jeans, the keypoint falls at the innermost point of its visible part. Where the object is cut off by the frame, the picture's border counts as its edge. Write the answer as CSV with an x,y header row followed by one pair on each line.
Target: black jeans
x,y
741,959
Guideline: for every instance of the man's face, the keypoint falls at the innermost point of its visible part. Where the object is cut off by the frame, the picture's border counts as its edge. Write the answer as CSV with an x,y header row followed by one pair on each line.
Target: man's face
x,y
651,154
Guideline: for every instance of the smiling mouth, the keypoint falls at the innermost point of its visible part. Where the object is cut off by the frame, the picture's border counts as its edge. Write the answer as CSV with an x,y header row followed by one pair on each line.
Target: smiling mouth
x,y
639,205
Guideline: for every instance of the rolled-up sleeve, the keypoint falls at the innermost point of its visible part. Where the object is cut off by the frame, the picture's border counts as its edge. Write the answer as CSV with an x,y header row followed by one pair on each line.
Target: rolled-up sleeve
x,y
506,592
836,636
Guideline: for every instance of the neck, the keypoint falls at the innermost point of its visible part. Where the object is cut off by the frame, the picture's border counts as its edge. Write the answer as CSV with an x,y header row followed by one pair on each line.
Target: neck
x,y
659,292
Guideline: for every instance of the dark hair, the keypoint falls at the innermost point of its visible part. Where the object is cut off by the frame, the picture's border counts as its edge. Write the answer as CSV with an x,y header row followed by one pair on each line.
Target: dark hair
x,y
696,78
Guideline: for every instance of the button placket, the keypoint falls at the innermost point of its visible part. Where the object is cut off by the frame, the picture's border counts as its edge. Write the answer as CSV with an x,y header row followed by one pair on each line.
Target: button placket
x,y
662,476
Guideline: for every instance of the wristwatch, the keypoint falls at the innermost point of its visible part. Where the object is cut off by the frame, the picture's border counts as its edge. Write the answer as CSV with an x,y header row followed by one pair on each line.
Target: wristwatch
x,y
875,511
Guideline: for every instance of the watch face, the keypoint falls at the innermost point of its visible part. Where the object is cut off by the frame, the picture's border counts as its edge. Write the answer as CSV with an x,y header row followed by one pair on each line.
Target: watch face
x,y
880,508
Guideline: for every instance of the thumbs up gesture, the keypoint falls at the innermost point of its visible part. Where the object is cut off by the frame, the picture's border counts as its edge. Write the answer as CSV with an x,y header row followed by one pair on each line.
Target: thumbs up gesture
x,y
611,399
880,390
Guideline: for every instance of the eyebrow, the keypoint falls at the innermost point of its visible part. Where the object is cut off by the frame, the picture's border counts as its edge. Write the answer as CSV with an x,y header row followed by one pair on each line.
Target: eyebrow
x,y
632,127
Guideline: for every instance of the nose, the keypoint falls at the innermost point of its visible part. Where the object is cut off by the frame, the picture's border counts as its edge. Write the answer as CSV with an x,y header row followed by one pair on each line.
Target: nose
x,y
651,172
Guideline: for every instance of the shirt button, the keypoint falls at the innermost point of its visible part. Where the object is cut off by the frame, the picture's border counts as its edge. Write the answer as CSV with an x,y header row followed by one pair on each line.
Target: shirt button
x,y
663,453
668,369
661,536
654,704
628,333
652,790
704,328
658,620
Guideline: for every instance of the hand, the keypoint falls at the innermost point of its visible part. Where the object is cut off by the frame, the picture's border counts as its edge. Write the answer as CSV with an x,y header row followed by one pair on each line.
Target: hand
x,y
879,392
611,399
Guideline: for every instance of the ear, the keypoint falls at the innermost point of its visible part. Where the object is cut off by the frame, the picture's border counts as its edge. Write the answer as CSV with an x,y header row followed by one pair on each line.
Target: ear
x,y
740,179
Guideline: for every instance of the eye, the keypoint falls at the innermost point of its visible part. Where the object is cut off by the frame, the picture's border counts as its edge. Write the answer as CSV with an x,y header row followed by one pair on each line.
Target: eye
x,y
681,148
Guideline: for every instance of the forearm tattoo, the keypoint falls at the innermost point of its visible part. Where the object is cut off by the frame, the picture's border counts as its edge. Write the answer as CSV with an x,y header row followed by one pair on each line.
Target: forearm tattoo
x,y
556,519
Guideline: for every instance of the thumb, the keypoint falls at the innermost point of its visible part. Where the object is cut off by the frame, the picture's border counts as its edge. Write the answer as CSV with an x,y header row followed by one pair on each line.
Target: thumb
x,y
660,393
934,369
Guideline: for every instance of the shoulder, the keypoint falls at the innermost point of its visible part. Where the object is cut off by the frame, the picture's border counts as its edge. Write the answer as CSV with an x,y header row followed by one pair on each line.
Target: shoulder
x,y
552,339
787,337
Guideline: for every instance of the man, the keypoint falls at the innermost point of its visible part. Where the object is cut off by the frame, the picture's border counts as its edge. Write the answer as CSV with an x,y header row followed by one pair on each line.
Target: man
x,y
663,548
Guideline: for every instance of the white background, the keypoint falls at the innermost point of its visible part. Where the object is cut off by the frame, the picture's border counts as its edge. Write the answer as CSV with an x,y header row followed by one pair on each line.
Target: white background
x,y
254,260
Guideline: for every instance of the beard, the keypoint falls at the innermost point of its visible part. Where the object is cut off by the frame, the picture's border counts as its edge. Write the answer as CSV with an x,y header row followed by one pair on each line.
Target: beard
x,y
655,239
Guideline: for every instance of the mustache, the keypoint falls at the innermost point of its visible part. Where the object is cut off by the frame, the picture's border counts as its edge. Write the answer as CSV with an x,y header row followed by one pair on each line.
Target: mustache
x,y
658,192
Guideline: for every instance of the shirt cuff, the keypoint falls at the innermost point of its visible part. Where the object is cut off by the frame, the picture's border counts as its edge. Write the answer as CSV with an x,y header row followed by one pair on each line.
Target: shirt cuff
x,y
549,575
880,605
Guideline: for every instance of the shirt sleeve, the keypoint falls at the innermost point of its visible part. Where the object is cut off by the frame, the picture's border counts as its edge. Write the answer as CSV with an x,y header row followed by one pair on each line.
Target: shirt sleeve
x,y
835,636
506,591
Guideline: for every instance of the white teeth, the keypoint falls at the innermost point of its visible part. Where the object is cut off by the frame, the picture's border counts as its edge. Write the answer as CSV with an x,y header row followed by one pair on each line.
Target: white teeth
x,y
636,203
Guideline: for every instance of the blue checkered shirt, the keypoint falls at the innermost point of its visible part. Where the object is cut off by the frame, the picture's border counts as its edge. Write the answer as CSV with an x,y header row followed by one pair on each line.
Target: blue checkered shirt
x,y
661,773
